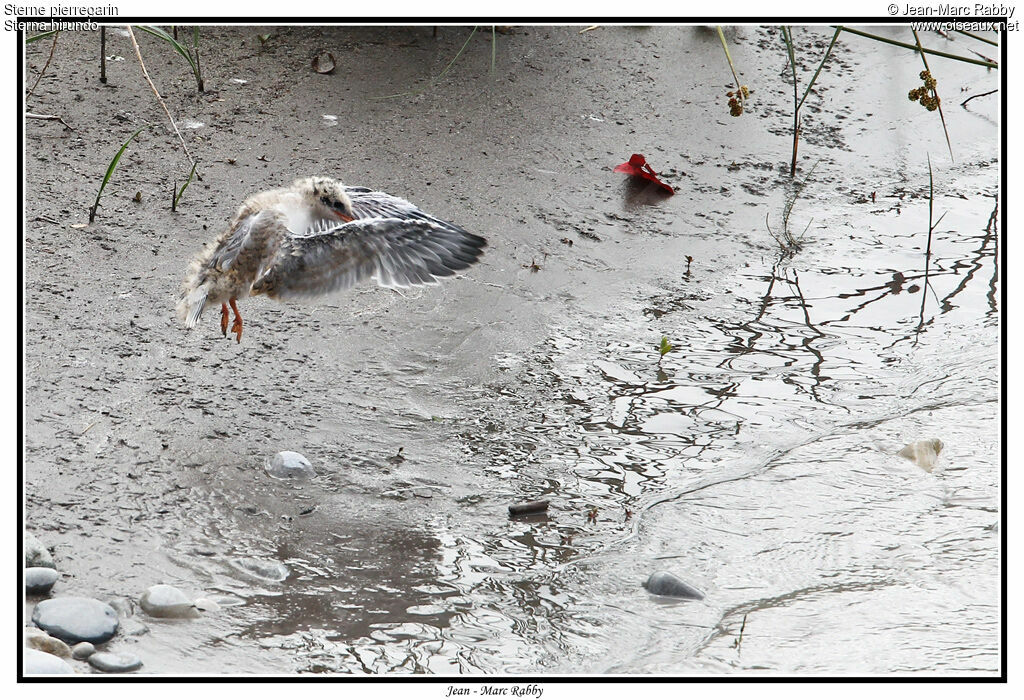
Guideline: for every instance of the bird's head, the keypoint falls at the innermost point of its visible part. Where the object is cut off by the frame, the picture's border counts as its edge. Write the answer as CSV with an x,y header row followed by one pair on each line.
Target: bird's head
x,y
326,197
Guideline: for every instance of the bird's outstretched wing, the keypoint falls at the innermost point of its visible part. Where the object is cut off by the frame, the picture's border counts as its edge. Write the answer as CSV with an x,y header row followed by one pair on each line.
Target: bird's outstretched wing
x,y
398,252
371,204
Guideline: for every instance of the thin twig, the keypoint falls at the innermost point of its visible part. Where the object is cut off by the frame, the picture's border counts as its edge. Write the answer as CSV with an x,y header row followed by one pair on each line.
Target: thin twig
x,y
739,89
138,54
933,52
53,47
103,55
49,117
935,94
979,38
984,94
981,55
788,38
928,249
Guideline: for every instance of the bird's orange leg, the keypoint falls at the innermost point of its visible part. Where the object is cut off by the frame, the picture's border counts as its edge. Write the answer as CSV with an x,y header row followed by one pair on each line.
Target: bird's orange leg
x,y
224,320
236,327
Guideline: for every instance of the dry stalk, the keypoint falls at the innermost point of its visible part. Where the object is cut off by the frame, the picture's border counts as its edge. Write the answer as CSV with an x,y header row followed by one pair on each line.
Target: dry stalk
x,y
53,47
138,54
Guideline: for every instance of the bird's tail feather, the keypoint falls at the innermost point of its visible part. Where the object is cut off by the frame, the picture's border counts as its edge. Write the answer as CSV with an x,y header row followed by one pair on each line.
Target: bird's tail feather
x,y
191,305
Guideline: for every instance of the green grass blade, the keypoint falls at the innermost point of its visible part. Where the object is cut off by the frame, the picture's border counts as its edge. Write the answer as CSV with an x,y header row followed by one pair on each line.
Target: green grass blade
x,y
158,32
452,62
37,37
182,190
433,81
110,171
828,52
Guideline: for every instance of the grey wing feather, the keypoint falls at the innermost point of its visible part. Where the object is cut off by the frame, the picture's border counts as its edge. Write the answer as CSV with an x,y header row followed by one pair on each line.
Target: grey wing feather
x,y
397,252
235,243
372,204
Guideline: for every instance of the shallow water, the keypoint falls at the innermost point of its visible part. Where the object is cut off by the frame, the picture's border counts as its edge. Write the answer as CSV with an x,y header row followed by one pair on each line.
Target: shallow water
x,y
756,459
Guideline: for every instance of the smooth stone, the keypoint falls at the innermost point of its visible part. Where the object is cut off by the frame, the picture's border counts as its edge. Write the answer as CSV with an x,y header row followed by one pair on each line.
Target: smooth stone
x,y
36,554
39,662
207,605
37,639
40,579
74,619
527,508
115,662
130,627
82,650
665,584
162,600
290,465
262,568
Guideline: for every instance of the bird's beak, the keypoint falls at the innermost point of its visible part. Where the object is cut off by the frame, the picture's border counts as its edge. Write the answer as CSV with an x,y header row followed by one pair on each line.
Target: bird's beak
x,y
342,217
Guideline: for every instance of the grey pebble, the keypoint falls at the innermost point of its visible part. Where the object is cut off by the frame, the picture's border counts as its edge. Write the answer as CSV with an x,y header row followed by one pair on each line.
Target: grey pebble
x,y
290,465
262,568
82,650
36,554
527,508
207,605
115,662
35,662
73,619
130,627
162,600
40,579
666,584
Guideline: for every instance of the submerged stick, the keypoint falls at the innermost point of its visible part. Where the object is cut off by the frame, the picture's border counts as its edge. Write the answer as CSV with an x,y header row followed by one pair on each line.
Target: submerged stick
x,y
145,73
983,94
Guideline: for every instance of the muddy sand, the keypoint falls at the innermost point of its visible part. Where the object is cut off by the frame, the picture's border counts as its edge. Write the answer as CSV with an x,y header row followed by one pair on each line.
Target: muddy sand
x,y
145,444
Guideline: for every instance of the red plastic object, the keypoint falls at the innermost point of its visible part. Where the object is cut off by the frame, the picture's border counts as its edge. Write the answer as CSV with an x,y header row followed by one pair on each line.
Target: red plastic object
x,y
638,167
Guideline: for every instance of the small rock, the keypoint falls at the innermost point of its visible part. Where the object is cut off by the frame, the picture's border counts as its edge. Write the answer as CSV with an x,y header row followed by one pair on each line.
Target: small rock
x,y
36,554
162,600
290,465
324,62
131,627
262,568
40,579
73,619
207,605
923,453
115,662
37,639
666,584
37,662
528,508
82,650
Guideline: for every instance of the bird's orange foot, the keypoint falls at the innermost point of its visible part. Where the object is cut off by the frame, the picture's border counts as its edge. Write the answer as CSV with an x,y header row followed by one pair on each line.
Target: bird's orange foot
x,y
224,320
236,327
